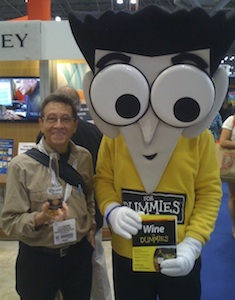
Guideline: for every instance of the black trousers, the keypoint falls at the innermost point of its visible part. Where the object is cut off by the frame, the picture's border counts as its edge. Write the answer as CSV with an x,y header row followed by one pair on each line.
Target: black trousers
x,y
140,285
40,275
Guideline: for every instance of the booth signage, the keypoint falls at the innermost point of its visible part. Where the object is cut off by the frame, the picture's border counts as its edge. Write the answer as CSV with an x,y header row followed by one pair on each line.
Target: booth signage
x,y
20,40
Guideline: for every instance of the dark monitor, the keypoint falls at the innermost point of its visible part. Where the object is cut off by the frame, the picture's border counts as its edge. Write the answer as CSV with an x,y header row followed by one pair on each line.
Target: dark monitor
x,y
20,99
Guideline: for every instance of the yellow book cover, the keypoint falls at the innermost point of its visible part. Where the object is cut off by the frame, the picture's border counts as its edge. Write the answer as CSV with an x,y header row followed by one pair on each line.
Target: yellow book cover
x,y
155,242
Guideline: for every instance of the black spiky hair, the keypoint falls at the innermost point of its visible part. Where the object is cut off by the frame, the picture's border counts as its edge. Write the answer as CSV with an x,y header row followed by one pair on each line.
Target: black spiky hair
x,y
152,31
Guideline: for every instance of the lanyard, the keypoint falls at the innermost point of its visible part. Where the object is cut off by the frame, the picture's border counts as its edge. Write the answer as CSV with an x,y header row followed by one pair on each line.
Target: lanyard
x,y
68,187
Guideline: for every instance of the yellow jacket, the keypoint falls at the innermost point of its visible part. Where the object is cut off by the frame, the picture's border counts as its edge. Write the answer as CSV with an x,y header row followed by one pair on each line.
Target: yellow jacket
x,y
190,186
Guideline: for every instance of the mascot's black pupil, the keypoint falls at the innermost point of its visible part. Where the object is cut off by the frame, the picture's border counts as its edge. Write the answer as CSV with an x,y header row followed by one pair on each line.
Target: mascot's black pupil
x,y
186,109
127,106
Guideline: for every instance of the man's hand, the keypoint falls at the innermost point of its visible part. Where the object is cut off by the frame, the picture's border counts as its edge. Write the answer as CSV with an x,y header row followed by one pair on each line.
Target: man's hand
x,y
124,221
187,252
46,216
91,237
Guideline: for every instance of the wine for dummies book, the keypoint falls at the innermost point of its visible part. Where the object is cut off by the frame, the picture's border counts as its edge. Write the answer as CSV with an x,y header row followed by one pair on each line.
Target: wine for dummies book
x,y
155,242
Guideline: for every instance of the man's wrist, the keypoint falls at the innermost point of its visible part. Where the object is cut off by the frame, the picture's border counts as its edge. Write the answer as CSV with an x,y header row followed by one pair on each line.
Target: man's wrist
x,y
40,218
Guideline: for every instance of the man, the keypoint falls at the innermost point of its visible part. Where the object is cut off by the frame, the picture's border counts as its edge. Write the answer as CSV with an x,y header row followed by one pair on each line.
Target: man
x,y
55,250
155,86
88,135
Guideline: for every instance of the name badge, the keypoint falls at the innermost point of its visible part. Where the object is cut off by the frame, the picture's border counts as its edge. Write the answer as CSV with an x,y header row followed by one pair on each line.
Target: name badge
x,y
64,232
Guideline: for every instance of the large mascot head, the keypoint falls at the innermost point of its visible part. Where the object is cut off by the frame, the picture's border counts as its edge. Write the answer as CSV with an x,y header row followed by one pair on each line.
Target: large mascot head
x,y
155,76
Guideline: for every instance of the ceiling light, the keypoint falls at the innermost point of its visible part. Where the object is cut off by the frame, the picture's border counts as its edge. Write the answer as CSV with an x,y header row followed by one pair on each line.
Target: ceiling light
x,y
133,1
119,1
57,18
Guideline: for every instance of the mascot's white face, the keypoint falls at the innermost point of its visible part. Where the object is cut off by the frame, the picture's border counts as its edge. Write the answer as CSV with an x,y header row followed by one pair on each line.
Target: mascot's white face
x,y
151,101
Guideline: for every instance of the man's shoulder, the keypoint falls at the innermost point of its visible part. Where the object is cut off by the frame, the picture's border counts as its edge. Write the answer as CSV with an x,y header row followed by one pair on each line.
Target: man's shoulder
x,y
81,149
22,161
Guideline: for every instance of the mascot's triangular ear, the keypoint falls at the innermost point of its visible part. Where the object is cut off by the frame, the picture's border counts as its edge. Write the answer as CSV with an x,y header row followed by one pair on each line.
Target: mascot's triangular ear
x,y
220,79
107,129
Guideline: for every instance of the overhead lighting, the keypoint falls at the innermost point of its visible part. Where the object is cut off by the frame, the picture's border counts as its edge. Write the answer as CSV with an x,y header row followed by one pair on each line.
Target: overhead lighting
x,y
133,1
57,18
119,1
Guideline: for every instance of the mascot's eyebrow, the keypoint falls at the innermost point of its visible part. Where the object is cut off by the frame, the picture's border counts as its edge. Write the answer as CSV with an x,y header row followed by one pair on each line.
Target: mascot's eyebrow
x,y
112,56
201,64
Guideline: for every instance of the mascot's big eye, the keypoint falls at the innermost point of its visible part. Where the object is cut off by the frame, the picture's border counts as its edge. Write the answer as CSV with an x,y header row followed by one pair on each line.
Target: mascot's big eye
x,y
182,95
119,94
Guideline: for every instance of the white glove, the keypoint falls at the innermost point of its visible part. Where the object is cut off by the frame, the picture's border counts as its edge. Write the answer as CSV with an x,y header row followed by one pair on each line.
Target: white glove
x,y
124,220
187,252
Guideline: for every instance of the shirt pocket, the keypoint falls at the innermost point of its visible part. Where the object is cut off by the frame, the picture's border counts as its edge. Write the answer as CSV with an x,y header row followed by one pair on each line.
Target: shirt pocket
x,y
37,198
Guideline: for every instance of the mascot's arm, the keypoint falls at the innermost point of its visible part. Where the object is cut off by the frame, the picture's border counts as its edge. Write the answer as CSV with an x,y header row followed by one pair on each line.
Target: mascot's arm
x,y
207,202
208,191
123,220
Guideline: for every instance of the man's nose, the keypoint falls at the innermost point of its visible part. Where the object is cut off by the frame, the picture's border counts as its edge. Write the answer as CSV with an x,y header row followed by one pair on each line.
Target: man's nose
x,y
58,122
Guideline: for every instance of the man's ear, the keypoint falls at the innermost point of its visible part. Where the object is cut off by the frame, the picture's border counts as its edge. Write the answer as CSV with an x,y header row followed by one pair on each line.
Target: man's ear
x,y
40,122
107,129
221,81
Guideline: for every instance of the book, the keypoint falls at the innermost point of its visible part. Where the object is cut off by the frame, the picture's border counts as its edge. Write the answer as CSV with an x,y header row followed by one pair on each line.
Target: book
x,y
6,154
155,242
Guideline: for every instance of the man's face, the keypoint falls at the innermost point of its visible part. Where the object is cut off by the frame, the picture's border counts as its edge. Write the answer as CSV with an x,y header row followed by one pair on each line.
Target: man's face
x,y
151,101
58,125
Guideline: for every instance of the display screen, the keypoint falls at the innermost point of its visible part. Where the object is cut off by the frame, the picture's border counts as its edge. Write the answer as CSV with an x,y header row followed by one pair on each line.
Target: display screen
x,y
19,98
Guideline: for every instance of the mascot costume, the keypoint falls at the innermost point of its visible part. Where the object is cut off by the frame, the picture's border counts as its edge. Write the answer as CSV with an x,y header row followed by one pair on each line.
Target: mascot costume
x,y
154,87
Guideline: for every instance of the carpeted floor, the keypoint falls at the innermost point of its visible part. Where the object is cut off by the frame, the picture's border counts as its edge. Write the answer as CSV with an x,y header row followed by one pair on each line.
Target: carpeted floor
x,y
218,258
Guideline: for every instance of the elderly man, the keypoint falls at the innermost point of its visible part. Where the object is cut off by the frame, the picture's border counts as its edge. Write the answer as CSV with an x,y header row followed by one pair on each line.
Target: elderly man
x,y
55,250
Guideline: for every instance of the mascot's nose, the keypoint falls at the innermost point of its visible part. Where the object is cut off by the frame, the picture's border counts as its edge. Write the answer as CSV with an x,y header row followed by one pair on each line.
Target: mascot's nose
x,y
186,109
148,124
